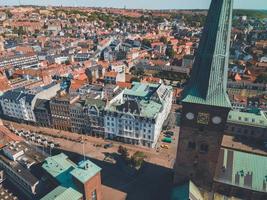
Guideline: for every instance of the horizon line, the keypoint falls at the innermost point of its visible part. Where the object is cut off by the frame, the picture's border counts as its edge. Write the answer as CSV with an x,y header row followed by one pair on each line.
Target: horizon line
x,y
104,7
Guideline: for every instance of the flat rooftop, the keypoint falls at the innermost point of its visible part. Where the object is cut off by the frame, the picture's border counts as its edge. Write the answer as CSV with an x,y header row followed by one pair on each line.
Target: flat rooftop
x,y
231,143
242,169
85,171
63,169
29,157
18,169
141,89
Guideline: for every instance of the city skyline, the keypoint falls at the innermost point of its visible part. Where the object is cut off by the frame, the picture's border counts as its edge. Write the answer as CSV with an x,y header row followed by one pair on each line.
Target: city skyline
x,y
157,4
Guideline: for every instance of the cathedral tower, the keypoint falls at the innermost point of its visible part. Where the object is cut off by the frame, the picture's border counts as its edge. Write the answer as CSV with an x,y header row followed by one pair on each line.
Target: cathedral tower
x,y
205,102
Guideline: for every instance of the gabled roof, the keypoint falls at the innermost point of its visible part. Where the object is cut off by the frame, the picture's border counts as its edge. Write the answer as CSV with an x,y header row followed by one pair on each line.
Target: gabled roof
x,y
16,95
207,84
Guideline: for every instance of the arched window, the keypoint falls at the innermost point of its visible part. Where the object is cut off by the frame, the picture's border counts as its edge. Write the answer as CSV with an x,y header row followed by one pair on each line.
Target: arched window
x,y
204,148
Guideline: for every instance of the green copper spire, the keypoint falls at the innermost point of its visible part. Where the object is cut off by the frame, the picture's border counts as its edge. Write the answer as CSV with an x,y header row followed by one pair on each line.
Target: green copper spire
x,y
207,84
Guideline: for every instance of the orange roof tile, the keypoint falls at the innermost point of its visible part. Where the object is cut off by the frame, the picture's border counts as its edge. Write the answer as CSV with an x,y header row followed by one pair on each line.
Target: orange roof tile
x,y
111,74
104,64
149,79
82,77
124,85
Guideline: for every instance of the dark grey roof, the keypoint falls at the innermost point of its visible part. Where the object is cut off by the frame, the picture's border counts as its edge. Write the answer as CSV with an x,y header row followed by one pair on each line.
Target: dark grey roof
x,y
16,95
41,104
129,106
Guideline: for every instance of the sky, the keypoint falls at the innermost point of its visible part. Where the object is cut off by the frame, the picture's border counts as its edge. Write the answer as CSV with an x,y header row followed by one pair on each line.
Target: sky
x,y
146,4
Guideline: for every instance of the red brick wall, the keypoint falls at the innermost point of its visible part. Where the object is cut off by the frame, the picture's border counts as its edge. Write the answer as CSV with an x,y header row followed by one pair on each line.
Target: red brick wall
x,y
91,185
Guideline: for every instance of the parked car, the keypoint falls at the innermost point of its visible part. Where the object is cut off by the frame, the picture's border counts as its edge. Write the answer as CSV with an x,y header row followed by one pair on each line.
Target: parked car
x,y
164,146
168,136
167,140
106,146
169,133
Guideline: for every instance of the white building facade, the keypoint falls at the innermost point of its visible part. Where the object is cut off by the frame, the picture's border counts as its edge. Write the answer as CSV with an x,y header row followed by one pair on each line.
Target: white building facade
x,y
19,104
136,115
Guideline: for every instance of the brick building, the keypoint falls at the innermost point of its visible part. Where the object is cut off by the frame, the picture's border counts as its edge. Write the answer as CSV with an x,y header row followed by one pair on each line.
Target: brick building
x,y
60,110
205,101
80,181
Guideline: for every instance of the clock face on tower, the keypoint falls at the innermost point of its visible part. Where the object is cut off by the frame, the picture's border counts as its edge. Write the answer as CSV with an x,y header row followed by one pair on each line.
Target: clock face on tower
x,y
190,116
203,118
217,120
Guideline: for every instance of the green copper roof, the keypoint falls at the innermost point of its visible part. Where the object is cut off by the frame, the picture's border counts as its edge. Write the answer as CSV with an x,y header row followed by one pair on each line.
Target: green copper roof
x,y
248,119
63,169
59,167
141,89
150,109
85,171
62,193
208,81
245,170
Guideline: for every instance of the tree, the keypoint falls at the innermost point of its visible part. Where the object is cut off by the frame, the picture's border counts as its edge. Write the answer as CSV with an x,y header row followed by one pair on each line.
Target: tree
x,y
123,151
8,13
137,159
146,42
170,52
163,40
138,71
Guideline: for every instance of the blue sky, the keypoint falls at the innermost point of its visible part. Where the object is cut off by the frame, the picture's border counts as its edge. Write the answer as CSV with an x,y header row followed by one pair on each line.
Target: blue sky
x,y
148,4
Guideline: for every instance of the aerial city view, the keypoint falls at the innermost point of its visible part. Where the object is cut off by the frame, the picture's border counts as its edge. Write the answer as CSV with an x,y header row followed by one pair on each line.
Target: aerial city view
x,y
133,100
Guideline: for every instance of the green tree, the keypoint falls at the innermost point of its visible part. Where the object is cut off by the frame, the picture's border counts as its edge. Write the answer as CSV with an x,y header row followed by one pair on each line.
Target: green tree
x,y
163,40
137,159
170,52
138,71
146,42
123,151
8,14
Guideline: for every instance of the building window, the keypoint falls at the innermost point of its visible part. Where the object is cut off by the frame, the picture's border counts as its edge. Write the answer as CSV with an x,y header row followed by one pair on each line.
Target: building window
x,y
94,197
191,145
204,148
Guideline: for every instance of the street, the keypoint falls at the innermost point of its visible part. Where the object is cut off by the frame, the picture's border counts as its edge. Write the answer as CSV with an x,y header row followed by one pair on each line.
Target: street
x,y
152,181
